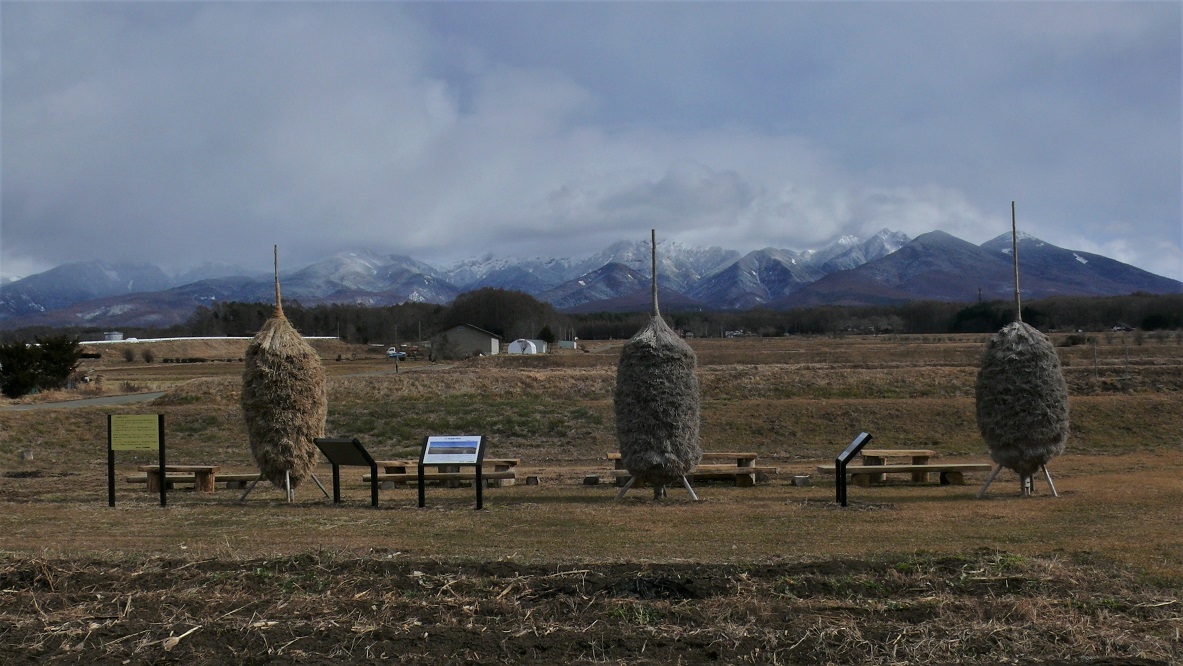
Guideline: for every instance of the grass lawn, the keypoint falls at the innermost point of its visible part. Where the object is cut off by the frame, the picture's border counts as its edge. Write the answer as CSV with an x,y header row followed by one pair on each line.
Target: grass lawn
x,y
908,573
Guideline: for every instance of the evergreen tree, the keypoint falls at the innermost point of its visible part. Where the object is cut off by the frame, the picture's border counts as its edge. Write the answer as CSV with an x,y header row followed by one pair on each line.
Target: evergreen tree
x,y
57,361
18,368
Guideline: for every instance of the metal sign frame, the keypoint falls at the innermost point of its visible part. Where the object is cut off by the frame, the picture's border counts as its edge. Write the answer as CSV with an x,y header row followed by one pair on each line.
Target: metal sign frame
x,y
135,432
840,465
343,451
454,450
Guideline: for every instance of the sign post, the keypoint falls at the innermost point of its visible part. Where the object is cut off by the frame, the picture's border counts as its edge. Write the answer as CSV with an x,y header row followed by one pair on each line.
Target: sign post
x,y
341,451
134,432
840,465
455,450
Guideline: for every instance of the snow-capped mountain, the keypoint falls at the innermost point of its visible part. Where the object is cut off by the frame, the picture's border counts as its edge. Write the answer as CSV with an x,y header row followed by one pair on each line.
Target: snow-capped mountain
x,y
606,282
849,252
67,284
531,276
939,266
681,265
886,268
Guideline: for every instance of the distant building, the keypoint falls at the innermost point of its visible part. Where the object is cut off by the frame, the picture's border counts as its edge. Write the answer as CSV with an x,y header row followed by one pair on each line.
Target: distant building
x,y
524,346
568,344
465,340
112,336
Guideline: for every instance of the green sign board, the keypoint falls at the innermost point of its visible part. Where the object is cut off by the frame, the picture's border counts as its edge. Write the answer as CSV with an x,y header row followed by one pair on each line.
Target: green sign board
x,y
135,432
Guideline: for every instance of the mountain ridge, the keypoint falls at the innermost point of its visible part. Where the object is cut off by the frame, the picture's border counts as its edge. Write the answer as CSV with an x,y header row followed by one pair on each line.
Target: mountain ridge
x,y
886,268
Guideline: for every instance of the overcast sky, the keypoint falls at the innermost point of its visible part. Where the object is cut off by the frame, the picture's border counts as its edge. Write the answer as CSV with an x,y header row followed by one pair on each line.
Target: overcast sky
x,y
182,133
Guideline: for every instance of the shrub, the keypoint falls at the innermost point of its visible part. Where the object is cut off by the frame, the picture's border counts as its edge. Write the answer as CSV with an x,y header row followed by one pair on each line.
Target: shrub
x,y
18,368
44,365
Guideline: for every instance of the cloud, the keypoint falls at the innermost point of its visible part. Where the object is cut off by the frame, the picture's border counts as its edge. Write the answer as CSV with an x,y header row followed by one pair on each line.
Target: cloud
x,y
185,133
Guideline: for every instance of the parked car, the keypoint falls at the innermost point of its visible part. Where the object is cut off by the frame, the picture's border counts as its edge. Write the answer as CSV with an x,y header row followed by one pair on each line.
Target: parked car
x,y
394,353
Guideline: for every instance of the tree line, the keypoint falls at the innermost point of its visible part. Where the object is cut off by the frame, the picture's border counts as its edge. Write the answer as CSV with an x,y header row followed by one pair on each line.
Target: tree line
x,y
1147,312
40,359
512,315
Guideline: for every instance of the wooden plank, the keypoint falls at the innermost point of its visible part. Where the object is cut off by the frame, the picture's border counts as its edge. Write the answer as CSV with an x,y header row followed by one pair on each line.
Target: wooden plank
x,y
510,462
180,468
721,470
744,477
902,453
238,477
171,478
732,469
706,455
887,469
413,477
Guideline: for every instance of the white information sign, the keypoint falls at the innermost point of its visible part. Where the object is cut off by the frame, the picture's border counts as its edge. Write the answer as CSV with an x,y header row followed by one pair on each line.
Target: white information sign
x,y
452,450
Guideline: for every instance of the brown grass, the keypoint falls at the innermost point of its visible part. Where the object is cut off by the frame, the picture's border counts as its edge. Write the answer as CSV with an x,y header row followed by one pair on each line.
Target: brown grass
x,y
775,573
982,608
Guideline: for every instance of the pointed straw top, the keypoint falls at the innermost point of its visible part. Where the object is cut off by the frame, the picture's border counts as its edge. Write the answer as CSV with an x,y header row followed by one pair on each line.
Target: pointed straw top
x,y
653,242
1014,252
278,301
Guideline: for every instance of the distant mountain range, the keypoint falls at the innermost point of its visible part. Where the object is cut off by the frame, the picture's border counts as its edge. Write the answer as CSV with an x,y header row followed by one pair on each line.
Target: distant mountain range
x,y
887,268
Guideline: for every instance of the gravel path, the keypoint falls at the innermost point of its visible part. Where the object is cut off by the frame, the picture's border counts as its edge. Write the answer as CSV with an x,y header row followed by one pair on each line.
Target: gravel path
x,y
88,402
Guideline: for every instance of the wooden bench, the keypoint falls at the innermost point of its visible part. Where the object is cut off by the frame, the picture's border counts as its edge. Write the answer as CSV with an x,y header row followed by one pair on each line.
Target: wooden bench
x,y
231,480
201,476
740,468
950,473
882,456
503,472
413,477
238,481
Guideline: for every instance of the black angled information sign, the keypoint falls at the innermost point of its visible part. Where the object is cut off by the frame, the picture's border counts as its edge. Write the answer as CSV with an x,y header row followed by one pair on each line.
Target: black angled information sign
x,y
453,451
341,451
134,432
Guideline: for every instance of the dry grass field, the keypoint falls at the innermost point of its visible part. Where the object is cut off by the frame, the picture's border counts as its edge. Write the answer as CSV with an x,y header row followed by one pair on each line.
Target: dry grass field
x,y
908,573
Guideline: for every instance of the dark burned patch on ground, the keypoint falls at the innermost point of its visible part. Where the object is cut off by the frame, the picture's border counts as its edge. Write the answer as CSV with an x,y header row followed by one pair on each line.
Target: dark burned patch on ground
x,y
851,505
986,607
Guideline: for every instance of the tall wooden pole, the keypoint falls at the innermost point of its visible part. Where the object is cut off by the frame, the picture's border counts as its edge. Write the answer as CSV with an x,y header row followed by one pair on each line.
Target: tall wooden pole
x,y
278,302
1014,251
653,243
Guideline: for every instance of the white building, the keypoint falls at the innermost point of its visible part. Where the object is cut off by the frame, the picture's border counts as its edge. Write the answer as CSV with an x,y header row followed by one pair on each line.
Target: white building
x,y
523,346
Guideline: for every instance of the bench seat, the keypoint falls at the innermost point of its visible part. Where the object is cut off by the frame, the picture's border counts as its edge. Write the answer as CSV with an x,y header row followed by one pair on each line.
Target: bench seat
x,y
231,480
742,476
707,455
171,478
902,453
413,477
950,473
251,476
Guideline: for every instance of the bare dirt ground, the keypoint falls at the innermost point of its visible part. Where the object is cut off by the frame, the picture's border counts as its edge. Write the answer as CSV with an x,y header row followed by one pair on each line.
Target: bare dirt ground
x,y
560,572
982,607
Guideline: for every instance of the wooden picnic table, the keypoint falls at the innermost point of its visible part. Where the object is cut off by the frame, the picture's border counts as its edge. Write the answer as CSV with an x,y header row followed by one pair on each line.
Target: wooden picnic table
x,y
950,473
503,472
203,476
881,456
715,465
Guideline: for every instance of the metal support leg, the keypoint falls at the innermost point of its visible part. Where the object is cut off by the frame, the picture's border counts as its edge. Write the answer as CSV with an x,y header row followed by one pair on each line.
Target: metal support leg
x,y
250,488
629,484
1049,481
993,475
686,482
287,485
322,488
